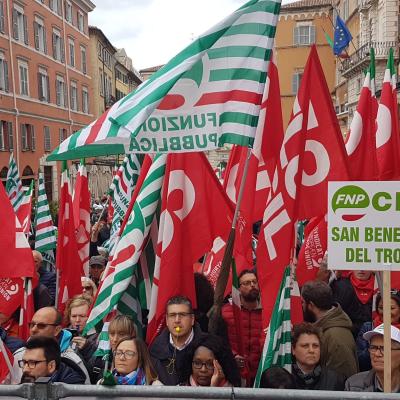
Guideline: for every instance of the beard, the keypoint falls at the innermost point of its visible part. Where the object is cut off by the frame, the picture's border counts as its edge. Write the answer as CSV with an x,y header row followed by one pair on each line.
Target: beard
x,y
309,316
252,295
26,378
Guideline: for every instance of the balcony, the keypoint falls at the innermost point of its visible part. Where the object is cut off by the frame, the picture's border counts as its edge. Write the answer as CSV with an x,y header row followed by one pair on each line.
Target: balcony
x,y
359,60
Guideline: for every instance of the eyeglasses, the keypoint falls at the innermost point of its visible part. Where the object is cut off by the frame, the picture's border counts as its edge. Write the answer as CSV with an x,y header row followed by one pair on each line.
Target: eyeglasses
x,y
248,283
373,348
180,315
128,355
40,325
30,363
197,364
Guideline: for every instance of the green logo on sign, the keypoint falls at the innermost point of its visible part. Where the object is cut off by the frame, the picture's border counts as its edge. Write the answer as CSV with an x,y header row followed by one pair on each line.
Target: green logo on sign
x,y
350,197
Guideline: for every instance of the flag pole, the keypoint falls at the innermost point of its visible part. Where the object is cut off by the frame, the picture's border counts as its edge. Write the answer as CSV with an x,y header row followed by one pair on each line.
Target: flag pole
x,y
387,342
222,281
6,358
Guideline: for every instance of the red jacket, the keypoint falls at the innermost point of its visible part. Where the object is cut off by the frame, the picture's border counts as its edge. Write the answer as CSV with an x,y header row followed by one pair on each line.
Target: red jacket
x,y
253,336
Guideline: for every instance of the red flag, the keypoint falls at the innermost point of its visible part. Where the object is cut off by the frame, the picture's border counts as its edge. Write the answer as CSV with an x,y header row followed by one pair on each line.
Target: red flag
x,y
11,295
313,250
6,362
195,210
312,154
25,209
16,255
268,141
68,262
81,210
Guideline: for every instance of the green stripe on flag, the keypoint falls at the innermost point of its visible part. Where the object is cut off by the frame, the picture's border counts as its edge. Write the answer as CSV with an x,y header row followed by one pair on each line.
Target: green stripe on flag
x,y
238,118
237,74
239,51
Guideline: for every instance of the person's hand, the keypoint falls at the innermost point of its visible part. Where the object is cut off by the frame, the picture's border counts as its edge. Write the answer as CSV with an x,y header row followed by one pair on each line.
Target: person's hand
x,y
218,375
240,361
79,342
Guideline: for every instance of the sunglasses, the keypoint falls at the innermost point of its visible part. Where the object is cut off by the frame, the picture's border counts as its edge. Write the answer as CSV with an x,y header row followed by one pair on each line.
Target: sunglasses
x,y
40,325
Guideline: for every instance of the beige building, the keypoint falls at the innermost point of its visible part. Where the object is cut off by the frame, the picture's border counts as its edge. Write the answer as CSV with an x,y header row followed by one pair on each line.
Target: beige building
x,y
302,24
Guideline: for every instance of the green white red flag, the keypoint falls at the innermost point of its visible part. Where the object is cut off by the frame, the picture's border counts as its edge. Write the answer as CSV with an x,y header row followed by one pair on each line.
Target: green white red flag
x,y
25,210
360,144
207,95
387,120
14,184
312,154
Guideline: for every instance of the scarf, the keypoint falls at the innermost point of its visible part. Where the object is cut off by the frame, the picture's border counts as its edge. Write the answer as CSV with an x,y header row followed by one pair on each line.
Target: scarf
x,y
378,321
137,377
364,289
309,379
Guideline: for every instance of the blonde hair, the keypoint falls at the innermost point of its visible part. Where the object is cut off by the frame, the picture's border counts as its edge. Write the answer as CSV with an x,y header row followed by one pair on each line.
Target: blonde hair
x,y
85,279
123,324
76,301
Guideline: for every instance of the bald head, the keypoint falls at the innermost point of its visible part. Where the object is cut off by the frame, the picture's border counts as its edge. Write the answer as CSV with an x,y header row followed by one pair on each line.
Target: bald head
x,y
46,322
37,259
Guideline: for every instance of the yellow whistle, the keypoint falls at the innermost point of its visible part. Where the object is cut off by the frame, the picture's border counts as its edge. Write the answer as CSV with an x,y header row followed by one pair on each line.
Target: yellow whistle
x,y
178,329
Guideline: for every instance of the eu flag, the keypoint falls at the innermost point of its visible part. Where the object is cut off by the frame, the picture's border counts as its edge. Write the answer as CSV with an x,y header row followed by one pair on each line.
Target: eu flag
x,y
342,36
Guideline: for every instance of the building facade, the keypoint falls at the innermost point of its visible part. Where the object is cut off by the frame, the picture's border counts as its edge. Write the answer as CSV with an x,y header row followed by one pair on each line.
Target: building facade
x,y
45,85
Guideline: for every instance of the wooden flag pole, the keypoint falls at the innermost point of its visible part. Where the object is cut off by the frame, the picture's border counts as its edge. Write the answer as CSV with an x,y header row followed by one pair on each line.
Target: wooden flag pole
x,y
387,343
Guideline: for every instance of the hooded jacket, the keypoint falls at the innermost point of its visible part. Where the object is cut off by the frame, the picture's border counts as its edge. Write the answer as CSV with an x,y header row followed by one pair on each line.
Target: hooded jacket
x,y
338,348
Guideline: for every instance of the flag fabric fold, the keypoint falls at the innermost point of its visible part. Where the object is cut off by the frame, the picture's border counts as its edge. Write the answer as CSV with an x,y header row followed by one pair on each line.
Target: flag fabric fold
x,y
342,36
25,210
14,184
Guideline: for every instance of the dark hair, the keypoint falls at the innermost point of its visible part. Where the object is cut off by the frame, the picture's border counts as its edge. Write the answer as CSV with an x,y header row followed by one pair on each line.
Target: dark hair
x,y
394,295
305,328
180,300
318,292
223,355
204,300
247,271
50,346
277,378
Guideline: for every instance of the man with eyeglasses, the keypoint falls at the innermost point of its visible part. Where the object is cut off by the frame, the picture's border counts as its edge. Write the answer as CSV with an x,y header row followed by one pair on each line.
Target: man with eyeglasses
x,y
171,351
373,380
42,358
47,322
251,325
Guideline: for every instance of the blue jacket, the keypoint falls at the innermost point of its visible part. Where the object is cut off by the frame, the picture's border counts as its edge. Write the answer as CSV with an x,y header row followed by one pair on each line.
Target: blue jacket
x,y
13,343
48,279
68,373
364,359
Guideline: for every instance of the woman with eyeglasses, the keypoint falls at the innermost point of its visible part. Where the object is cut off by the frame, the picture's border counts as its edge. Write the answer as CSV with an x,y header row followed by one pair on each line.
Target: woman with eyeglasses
x,y
132,364
363,354
213,364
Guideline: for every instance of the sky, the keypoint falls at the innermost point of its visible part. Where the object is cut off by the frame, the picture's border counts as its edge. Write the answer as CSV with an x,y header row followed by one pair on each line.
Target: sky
x,y
153,31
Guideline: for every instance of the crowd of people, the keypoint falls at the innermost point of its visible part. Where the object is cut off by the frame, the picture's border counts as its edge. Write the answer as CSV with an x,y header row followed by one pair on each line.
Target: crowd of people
x,y
339,346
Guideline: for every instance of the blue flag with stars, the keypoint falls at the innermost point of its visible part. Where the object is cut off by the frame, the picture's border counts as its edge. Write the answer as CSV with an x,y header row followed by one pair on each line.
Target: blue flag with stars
x,y
342,36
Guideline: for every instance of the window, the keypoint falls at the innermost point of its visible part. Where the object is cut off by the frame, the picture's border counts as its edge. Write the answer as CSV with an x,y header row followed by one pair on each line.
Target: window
x,y
81,21
28,139
58,46
23,78
68,11
63,134
55,5
304,35
20,24
2,16
108,87
83,60
43,85
3,73
296,78
101,75
85,100
6,136
71,46
47,139
119,95
74,96
40,35
345,10
60,91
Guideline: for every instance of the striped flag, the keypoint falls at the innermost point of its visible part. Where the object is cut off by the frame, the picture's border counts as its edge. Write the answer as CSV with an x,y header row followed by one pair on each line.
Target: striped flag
x,y
128,250
277,347
25,209
45,238
207,95
14,184
27,310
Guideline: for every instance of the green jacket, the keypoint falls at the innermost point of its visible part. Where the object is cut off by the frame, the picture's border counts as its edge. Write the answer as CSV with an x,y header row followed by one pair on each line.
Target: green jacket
x,y
338,348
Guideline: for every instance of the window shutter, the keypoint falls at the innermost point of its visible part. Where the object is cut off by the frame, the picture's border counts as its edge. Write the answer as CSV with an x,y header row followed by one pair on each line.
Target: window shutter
x,y
33,138
312,34
59,8
40,86
57,92
15,24
10,136
26,38
1,17
294,83
5,66
36,34
2,136
45,40
23,137
62,50
48,89
51,5
54,43
65,95
296,39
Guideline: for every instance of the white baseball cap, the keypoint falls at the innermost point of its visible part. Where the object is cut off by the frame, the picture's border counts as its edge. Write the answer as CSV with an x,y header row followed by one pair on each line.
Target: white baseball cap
x,y
394,333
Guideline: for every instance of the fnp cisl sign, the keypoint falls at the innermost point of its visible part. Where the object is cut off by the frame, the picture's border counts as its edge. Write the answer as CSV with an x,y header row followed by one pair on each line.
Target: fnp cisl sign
x,y
364,225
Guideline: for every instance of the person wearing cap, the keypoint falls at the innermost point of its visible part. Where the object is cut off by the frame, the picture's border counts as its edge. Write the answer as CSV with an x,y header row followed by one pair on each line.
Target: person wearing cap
x,y
97,264
373,380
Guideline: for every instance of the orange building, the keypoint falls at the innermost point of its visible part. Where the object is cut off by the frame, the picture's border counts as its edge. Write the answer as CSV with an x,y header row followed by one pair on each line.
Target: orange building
x,y
45,89
302,24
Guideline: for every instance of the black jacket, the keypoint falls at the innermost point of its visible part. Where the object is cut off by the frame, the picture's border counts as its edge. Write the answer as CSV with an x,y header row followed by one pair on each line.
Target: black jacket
x,y
68,373
48,279
326,380
162,352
